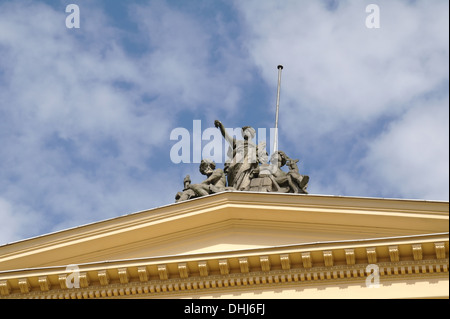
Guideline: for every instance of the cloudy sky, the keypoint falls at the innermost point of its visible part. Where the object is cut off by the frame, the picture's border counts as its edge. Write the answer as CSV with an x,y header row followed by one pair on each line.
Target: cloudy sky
x,y
86,113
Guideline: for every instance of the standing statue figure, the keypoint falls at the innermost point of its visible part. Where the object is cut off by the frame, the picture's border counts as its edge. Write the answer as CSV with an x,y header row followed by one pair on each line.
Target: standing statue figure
x,y
243,157
215,182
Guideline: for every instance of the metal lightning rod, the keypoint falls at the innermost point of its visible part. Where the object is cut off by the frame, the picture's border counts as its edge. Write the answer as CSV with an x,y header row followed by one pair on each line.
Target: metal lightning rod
x,y
275,144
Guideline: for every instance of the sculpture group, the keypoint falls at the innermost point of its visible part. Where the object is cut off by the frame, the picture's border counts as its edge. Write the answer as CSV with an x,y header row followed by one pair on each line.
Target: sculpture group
x,y
247,169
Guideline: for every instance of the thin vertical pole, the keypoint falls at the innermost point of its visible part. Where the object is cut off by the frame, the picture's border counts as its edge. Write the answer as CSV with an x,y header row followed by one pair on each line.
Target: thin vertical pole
x,y
275,144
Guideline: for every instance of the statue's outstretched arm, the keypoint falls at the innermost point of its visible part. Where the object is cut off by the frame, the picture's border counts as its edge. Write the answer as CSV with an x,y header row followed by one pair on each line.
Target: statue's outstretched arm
x,y
228,138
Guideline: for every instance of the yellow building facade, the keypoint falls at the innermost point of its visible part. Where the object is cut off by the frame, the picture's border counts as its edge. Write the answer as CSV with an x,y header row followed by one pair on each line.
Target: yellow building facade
x,y
242,245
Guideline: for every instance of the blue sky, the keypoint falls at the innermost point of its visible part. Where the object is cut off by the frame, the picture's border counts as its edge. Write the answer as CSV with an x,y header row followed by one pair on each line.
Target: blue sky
x,y
86,114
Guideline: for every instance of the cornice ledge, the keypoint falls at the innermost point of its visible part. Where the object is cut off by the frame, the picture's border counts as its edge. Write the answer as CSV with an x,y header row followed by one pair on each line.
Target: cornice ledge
x,y
242,268
315,276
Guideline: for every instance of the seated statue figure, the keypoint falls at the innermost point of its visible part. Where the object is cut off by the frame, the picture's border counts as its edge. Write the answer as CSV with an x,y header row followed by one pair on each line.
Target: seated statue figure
x,y
271,178
261,177
215,182
292,181
298,182
280,177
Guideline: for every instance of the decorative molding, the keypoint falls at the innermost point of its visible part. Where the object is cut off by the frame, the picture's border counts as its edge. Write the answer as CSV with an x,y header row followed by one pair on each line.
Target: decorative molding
x,y
143,273
123,275
183,270
371,255
306,259
5,288
285,261
224,267
299,276
350,256
62,281
440,250
328,258
24,285
417,251
243,264
393,253
44,283
163,273
203,268
265,263
84,279
169,275
103,277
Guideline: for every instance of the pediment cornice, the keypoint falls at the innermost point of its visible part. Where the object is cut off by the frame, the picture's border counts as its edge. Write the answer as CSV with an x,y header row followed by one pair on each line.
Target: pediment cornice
x,y
320,263
266,212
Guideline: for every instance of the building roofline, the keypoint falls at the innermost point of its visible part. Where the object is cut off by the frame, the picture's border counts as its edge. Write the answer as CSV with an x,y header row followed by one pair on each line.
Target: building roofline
x,y
218,195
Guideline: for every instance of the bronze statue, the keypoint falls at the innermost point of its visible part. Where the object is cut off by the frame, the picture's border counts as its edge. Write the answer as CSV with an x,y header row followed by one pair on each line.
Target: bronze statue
x,y
262,176
243,157
298,182
292,181
271,178
215,182
247,169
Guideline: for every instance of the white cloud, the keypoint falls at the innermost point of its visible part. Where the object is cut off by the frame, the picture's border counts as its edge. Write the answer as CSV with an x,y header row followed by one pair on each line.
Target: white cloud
x,y
83,122
182,61
413,152
339,69
70,133
343,83
9,225
17,221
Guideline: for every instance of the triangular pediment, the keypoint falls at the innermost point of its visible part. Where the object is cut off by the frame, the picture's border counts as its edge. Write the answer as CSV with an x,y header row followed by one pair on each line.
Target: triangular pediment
x,y
226,222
